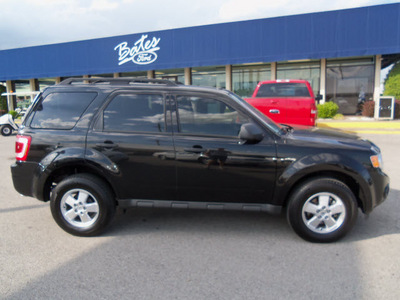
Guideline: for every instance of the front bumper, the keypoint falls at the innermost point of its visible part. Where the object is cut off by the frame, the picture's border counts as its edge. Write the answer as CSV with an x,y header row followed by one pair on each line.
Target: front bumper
x,y
379,189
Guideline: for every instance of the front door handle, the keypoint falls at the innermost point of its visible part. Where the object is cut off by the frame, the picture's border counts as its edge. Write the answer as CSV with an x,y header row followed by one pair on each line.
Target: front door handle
x,y
274,111
107,145
195,149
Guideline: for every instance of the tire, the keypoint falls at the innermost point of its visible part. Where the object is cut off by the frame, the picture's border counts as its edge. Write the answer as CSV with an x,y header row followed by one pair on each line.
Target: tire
x,y
6,130
82,205
322,210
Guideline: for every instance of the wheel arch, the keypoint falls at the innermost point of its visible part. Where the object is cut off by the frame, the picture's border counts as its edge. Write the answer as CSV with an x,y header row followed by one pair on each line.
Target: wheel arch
x,y
62,171
348,180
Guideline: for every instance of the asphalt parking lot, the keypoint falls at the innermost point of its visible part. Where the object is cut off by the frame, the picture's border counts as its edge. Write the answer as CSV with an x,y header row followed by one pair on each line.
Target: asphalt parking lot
x,y
173,254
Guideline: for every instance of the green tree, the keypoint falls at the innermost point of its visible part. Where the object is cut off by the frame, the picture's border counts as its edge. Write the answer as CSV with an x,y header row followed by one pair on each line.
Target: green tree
x,y
392,82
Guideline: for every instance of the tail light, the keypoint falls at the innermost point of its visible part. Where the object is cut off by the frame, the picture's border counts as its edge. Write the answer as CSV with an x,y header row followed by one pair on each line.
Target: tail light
x,y
22,146
313,114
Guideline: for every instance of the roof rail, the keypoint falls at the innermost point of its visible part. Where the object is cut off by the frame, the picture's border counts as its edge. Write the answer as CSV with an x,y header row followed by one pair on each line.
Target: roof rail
x,y
118,81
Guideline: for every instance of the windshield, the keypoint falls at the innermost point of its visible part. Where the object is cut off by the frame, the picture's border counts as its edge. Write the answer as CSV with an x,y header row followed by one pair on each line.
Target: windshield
x,y
271,124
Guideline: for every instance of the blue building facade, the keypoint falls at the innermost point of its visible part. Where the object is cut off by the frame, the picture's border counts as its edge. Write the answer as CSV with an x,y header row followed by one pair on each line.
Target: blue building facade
x,y
332,49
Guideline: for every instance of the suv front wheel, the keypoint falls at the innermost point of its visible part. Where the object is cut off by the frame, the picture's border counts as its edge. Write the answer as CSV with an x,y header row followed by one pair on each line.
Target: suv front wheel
x,y
82,205
322,210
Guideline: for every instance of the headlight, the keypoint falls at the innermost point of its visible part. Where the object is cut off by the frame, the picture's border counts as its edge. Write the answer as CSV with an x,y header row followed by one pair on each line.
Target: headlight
x,y
377,161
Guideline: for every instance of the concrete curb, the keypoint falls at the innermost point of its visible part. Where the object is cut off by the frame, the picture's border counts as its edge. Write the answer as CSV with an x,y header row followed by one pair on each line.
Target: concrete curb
x,y
362,126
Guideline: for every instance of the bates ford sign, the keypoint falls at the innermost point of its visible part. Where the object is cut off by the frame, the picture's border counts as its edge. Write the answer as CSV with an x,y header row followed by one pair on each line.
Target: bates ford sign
x,y
143,51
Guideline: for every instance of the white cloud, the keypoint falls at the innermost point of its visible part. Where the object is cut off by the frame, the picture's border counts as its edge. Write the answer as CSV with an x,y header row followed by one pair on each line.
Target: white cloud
x,y
232,10
239,9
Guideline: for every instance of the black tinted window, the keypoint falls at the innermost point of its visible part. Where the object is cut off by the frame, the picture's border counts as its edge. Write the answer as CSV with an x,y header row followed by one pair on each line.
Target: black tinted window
x,y
199,115
61,110
287,89
135,112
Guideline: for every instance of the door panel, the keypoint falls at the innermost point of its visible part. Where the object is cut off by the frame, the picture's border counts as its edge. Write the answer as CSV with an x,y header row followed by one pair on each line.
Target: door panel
x,y
212,163
133,135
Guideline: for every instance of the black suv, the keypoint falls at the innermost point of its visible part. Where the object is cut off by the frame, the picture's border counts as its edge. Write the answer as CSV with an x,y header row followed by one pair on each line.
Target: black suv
x,y
90,145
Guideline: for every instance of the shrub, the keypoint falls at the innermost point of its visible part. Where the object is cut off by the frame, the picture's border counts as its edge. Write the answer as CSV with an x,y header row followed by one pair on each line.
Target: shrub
x,y
392,81
338,117
368,109
327,110
13,113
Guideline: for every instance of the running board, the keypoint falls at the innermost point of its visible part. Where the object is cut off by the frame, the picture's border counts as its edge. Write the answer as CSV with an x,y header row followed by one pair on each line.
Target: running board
x,y
200,205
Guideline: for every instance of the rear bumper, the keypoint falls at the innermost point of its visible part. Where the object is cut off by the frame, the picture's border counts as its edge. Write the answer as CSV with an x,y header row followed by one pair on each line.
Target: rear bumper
x,y
22,175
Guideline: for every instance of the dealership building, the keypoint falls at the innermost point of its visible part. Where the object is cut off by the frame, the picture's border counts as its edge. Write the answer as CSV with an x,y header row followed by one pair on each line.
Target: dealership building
x,y
341,53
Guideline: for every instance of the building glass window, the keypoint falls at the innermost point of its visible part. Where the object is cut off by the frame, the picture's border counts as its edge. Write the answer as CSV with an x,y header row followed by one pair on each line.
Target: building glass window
x,y
309,71
209,76
349,83
172,74
134,74
246,77
45,82
23,96
102,75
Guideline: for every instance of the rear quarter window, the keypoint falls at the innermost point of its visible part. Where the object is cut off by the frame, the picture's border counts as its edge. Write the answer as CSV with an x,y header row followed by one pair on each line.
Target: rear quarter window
x,y
60,110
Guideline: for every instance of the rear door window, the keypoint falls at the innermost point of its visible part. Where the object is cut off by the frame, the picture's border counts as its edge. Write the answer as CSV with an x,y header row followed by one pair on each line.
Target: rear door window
x,y
61,110
135,112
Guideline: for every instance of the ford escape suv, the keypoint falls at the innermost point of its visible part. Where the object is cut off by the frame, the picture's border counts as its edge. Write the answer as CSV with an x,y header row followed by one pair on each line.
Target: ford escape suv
x,y
91,145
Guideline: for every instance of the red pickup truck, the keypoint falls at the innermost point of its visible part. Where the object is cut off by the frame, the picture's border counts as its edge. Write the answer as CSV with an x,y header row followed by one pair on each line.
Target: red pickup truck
x,y
286,101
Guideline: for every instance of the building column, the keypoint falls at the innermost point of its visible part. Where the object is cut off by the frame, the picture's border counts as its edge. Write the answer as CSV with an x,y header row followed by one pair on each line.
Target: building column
x,y
322,81
228,76
377,84
188,76
34,85
11,100
116,75
58,80
151,74
273,70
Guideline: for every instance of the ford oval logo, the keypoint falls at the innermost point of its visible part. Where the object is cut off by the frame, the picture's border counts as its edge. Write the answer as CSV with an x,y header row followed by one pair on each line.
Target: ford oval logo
x,y
144,58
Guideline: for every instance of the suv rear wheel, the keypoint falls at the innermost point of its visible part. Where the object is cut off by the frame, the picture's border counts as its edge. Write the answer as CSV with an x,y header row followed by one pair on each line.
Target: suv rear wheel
x,y
322,210
82,205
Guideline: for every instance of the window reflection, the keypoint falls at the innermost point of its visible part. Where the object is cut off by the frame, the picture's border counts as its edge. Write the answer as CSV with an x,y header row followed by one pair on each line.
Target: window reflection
x,y
135,112
208,116
61,110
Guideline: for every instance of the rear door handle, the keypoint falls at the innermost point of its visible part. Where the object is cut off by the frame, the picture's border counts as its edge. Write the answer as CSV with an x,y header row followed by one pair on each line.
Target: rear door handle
x,y
274,111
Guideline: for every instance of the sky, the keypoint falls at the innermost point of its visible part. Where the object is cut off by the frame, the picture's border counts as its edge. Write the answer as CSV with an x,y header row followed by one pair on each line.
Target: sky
x,y
26,23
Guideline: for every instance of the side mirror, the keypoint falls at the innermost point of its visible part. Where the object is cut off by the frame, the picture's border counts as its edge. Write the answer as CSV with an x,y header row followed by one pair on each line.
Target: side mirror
x,y
318,98
250,133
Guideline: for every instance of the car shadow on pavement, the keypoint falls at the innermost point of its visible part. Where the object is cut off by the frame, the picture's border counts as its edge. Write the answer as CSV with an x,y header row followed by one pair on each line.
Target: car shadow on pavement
x,y
164,254
19,208
382,221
